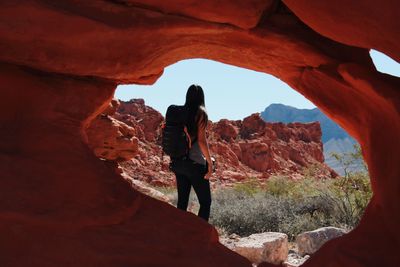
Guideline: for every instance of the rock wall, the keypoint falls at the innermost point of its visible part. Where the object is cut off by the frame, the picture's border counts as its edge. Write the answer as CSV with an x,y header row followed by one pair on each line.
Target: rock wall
x,y
61,61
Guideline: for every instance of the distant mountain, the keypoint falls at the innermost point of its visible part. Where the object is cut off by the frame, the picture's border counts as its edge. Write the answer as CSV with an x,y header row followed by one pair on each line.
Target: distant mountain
x,y
334,138
286,114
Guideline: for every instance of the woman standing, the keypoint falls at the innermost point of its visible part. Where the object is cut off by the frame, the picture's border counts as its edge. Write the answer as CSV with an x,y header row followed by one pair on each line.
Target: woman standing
x,y
196,168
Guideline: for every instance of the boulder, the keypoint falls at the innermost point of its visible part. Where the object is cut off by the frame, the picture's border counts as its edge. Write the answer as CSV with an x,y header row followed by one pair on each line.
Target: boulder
x,y
310,242
268,247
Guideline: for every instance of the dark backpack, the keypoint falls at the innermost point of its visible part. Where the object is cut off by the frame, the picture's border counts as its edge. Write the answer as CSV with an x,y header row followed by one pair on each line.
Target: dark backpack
x,y
175,139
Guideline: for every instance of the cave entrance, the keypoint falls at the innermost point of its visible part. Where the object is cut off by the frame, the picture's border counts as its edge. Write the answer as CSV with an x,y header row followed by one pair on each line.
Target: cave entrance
x,y
273,202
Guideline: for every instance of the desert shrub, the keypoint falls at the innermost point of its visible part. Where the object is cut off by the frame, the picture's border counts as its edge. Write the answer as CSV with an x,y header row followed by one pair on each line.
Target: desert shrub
x,y
283,186
292,206
286,205
250,186
244,214
350,196
351,193
280,186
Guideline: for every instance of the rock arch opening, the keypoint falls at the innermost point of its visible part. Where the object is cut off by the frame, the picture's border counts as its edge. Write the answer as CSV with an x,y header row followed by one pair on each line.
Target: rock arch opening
x,y
61,72
241,179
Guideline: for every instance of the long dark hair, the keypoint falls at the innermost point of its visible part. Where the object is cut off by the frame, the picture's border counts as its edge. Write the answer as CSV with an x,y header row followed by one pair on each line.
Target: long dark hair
x,y
197,114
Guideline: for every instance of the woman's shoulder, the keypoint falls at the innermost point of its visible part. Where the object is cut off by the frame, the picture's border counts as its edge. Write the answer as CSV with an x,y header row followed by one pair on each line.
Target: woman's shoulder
x,y
202,117
202,112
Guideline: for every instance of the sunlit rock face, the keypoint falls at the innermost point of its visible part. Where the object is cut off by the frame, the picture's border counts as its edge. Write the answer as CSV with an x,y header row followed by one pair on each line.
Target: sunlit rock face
x,y
261,149
111,139
61,63
251,148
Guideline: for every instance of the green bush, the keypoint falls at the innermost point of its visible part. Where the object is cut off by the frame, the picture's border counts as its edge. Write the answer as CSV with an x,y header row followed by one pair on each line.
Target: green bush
x,y
292,206
289,206
281,185
352,192
249,186
244,214
350,195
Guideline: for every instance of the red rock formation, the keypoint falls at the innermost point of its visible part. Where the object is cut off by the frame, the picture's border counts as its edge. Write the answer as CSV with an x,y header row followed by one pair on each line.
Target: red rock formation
x,y
112,139
226,130
147,118
59,203
252,148
268,148
340,21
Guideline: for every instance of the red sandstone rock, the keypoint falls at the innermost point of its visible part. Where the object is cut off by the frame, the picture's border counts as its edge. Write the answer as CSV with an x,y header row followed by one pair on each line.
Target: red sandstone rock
x,y
340,21
252,125
245,14
260,150
112,139
112,107
89,38
66,57
256,155
226,130
147,118
73,206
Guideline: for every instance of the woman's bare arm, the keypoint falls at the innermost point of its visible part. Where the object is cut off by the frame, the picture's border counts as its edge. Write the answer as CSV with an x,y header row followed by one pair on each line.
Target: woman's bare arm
x,y
202,139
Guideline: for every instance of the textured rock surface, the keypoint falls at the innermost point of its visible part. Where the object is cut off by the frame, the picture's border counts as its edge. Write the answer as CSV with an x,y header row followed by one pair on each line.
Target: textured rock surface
x,y
64,59
265,247
112,139
309,242
136,113
343,24
74,209
252,148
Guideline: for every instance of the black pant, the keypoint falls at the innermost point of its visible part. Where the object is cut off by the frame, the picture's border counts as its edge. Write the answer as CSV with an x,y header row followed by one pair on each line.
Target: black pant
x,y
189,173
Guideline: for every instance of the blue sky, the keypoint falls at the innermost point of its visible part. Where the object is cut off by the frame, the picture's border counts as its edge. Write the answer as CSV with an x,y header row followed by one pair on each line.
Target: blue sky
x,y
231,92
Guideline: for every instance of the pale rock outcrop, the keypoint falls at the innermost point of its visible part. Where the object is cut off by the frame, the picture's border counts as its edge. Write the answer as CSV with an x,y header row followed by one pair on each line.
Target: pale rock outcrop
x,y
309,242
268,247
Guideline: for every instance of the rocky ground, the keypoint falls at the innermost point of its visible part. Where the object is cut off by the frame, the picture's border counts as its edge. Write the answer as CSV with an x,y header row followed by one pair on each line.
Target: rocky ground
x,y
274,247
271,247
